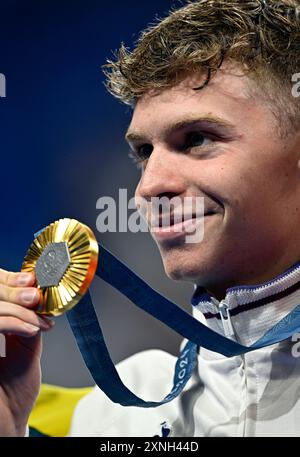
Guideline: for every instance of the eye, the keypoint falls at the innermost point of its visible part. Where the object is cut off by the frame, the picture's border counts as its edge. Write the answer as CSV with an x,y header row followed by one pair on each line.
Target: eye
x,y
195,139
141,154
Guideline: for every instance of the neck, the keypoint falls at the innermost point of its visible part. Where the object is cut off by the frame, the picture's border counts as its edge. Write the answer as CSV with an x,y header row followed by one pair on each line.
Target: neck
x,y
219,289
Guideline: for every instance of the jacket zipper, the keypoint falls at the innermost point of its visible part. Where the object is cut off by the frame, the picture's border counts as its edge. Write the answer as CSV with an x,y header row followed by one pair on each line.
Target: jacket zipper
x,y
225,318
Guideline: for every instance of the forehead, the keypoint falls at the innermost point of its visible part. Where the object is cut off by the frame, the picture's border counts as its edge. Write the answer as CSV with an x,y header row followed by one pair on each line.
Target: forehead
x,y
226,94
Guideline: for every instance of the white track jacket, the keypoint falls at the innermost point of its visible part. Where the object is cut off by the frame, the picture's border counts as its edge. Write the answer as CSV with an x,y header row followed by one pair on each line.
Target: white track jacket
x,y
256,394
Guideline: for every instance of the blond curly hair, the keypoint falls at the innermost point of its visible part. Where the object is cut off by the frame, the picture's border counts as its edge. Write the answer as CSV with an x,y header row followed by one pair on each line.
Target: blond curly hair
x,y
263,36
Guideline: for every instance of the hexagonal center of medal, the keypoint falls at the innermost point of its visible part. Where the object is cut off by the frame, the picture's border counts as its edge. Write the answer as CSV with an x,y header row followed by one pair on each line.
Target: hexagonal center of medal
x,y
52,264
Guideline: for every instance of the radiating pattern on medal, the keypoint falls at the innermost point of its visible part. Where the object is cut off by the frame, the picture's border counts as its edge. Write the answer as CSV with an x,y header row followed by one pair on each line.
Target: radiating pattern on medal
x,y
64,257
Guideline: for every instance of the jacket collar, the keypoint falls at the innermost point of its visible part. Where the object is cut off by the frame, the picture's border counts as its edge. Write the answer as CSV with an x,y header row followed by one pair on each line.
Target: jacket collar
x,y
251,310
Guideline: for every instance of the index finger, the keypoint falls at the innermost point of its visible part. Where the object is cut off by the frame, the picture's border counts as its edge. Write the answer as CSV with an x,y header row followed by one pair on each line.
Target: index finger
x,y
11,278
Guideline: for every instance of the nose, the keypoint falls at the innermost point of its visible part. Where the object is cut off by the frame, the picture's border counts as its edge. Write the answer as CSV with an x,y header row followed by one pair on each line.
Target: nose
x,y
161,177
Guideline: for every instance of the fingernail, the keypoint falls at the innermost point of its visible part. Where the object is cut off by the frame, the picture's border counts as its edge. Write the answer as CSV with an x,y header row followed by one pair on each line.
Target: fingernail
x,y
28,296
31,328
23,279
47,323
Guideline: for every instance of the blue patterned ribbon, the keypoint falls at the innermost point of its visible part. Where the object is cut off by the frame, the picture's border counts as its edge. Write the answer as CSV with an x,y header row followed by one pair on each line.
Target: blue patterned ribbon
x,y
85,326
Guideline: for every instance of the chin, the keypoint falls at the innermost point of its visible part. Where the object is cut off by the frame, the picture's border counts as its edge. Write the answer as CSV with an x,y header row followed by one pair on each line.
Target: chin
x,y
182,269
198,265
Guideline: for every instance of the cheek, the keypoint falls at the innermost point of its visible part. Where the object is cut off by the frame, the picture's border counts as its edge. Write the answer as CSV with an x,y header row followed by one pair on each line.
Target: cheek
x,y
247,196
240,182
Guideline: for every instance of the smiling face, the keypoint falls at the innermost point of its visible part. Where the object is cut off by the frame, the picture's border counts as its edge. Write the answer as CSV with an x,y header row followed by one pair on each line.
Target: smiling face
x,y
223,145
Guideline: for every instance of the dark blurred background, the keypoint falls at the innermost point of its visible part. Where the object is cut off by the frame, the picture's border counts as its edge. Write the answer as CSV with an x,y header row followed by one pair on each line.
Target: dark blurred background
x,y
62,147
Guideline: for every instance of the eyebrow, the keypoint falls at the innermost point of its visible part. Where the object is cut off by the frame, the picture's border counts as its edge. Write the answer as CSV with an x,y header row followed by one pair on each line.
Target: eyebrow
x,y
132,136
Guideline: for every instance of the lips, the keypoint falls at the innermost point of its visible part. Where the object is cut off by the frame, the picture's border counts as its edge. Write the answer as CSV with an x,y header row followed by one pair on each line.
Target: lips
x,y
189,226
169,221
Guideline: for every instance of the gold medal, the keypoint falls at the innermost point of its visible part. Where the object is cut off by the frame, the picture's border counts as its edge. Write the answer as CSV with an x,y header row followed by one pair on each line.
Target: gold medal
x,y
64,257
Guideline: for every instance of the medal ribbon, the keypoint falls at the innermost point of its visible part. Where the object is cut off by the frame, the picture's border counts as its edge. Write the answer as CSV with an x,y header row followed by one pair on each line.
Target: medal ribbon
x,y
87,331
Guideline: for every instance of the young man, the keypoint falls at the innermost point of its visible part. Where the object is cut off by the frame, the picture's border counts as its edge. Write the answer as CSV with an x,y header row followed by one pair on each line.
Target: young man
x,y
215,115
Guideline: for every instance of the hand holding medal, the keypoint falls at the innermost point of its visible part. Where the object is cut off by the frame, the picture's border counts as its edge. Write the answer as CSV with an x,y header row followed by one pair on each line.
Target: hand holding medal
x,y
64,257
